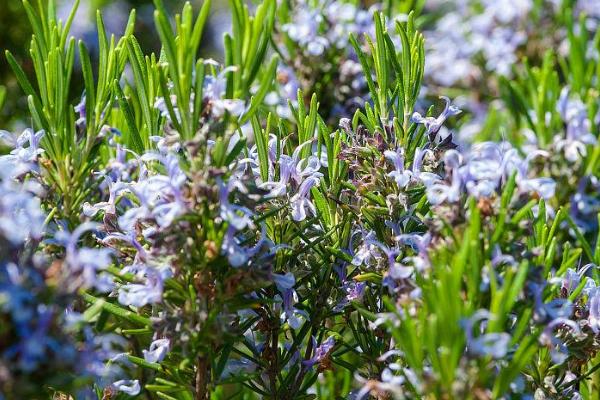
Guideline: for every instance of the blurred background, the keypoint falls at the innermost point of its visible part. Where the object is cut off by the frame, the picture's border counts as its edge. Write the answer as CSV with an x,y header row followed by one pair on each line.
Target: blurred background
x,y
15,34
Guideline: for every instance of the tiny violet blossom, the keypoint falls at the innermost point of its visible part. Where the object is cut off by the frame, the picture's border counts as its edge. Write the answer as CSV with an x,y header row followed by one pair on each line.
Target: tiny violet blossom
x,y
237,216
300,202
81,110
85,265
21,160
293,316
238,255
439,192
21,216
109,206
573,278
558,350
157,351
129,387
594,310
433,125
149,292
215,89
304,30
400,175
285,285
284,282
366,250
354,291
396,271
321,352
555,309
419,243
493,344
578,135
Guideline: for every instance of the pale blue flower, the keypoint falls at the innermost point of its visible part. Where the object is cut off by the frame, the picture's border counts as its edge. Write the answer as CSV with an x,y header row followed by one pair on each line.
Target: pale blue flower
x,y
304,30
558,350
494,344
236,216
129,387
157,351
594,310
320,352
214,91
290,314
85,265
238,255
149,290
579,135
433,125
284,282
301,202
366,251
108,207
400,175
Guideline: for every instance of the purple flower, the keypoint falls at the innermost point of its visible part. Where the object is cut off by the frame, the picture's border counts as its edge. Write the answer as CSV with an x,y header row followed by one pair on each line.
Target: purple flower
x,y
304,30
157,351
21,216
439,192
108,207
237,254
594,310
355,290
579,135
293,316
512,162
492,344
396,271
81,110
236,216
433,125
131,239
235,107
365,251
419,243
129,387
300,201
400,175
215,89
558,350
160,197
555,309
320,352
149,292
284,282
85,264
292,169
21,159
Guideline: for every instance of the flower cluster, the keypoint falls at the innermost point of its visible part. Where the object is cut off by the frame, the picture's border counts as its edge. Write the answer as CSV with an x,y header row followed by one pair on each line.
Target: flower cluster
x,y
315,225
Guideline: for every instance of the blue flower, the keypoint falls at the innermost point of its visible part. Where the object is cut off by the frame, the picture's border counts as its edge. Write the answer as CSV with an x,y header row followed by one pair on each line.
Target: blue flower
x,y
321,352
157,351
433,125
85,265
301,202
558,350
400,175
493,344
579,135
594,310
129,387
284,282
149,291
